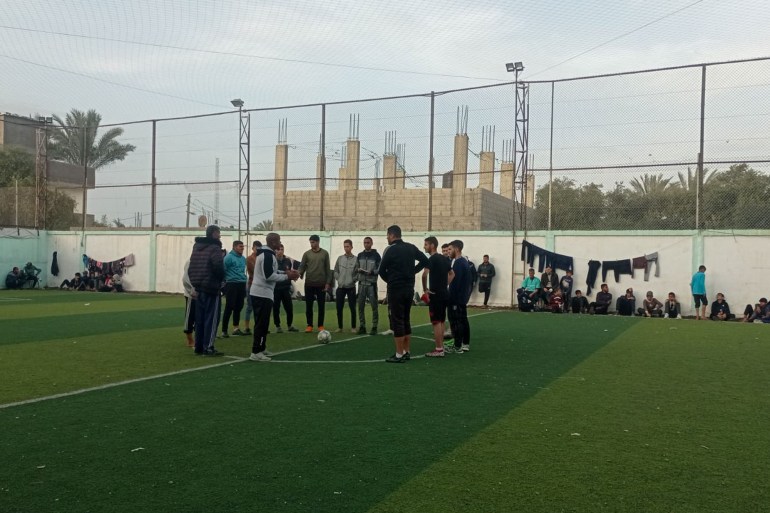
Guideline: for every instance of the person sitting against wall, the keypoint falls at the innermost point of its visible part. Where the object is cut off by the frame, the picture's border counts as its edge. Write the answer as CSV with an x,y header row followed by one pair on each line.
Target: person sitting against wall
x,y
579,303
672,309
14,279
529,291
556,301
117,282
31,274
720,310
603,301
626,304
651,307
760,312
72,284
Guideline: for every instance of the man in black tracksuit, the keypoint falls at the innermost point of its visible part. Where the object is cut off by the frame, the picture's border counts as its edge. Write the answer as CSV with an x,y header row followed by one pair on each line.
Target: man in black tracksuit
x,y
206,272
397,269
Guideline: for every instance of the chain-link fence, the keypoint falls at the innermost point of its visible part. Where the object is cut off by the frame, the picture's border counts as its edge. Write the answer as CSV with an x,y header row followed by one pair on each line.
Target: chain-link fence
x,y
677,148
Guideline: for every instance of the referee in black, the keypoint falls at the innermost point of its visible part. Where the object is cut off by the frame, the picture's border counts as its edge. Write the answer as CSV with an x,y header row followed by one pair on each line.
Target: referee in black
x,y
397,269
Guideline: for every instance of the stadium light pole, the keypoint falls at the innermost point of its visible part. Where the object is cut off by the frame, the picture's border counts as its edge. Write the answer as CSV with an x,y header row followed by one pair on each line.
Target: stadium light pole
x,y
515,68
239,104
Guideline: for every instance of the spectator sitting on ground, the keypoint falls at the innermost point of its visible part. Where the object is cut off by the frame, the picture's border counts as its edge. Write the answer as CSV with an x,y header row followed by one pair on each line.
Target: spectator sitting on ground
x,y
651,307
603,301
672,309
720,310
556,301
757,314
626,304
106,284
14,279
72,284
579,303
117,282
31,274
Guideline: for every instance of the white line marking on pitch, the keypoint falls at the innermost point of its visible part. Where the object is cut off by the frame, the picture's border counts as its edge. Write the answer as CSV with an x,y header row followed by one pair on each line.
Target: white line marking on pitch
x,y
14,299
233,360
119,383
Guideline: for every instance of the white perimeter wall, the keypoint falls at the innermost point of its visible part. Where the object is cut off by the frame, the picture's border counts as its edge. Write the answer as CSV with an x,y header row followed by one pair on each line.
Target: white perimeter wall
x,y
735,262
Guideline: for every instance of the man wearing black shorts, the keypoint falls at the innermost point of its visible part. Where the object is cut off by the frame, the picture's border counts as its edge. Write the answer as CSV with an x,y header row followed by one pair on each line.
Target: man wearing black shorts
x,y
438,271
397,269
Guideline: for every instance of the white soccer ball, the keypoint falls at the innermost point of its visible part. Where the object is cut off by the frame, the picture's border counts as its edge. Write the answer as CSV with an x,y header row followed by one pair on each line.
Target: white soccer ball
x,y
324,337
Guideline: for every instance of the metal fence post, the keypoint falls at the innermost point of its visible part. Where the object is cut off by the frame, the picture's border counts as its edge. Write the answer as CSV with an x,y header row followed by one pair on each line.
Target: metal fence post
x,y
699,177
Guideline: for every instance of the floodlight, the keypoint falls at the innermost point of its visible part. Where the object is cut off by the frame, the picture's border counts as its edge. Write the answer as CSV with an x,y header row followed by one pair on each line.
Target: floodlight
x,y
237,103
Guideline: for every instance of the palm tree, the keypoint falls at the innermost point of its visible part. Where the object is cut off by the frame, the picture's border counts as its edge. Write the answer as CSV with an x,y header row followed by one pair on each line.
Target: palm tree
x,y
264,226
74,141
687,183
650,184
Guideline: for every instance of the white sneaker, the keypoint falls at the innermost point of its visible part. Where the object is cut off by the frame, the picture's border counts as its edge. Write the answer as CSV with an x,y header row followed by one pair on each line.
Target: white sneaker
x,y
466,348
679,316
354,330
389,332
267,353
665,316
259,357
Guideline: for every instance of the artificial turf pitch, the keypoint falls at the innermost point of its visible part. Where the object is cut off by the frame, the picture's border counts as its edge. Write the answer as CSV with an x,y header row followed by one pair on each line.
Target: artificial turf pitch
x,y
546,413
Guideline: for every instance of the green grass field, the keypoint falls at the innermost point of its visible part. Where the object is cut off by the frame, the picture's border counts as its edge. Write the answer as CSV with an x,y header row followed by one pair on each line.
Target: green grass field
x,y
546,413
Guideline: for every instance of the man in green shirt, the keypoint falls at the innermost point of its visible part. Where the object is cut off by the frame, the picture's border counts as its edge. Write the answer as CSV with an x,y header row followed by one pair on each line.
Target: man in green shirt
x,y
315,268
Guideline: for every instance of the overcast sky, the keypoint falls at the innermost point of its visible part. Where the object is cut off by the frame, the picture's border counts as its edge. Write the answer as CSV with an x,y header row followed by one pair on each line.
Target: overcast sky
x,y
146,59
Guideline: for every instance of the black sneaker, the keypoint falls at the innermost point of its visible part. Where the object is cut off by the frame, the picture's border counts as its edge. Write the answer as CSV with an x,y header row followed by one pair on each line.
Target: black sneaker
x,y
213,352
373,332
395,359
407,356
362,330
224,335
238,333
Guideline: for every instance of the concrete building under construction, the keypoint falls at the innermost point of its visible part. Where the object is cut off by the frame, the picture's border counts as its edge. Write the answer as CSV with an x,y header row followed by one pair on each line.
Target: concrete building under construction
x,y
453,206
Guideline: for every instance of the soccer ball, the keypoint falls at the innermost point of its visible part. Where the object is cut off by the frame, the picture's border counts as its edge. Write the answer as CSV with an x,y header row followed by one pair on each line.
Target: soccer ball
x,y
324,337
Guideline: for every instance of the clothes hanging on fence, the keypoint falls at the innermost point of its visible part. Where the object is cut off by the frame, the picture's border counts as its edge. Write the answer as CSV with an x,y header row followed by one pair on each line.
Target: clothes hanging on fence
x,y
116,266
651,258
618,267
593,272
54,265
545,258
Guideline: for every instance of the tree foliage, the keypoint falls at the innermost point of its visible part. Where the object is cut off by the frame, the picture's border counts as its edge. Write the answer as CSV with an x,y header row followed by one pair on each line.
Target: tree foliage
x,y
74,140
731,199
17,168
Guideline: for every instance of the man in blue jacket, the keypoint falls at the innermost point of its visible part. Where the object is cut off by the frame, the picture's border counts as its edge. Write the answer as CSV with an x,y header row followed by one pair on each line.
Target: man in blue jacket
x,y
235,288
206,273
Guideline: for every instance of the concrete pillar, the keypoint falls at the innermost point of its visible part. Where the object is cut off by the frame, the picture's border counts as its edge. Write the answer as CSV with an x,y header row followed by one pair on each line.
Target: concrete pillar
x,y
342,183
280,186
487,170
389,172
460,171
506,180
400,181
353,164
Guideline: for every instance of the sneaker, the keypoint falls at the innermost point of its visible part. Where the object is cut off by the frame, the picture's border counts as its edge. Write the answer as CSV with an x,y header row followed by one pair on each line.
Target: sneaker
x,y
395,359
466,348
238,333
267,353
213,352
278,329
665,316
353,330
224,335
679,316
388,332
309,329
453,349
407,356
373,332
259,357
438,353
338,330
291,328
320,329
247,331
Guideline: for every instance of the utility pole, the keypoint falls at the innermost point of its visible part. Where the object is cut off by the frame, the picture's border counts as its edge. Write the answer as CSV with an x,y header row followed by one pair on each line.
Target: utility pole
x,y
187,224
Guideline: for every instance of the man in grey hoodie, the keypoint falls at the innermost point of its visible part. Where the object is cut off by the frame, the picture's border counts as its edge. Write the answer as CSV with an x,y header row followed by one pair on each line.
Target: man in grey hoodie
x,y
346,276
